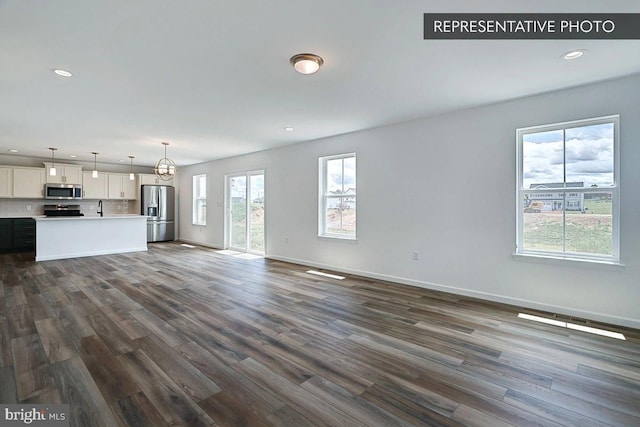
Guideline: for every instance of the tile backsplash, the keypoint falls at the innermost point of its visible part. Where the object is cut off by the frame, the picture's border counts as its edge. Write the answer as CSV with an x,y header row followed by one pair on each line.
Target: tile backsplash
x,y
34,207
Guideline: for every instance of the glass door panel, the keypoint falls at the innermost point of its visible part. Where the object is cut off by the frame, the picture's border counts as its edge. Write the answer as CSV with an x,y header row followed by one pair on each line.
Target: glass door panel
x,y
245,219
238,205
256,213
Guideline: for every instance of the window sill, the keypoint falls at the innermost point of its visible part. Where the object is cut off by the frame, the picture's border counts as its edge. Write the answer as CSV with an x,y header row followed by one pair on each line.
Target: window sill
x,y
198,225
567,260
337,236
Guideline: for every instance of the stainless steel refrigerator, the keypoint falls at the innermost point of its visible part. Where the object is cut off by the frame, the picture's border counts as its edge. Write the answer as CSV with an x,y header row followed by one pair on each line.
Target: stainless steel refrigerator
x,y
158,204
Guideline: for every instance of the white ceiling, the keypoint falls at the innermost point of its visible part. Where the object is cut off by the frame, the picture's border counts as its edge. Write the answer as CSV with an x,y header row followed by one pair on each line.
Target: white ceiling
x,y
213,78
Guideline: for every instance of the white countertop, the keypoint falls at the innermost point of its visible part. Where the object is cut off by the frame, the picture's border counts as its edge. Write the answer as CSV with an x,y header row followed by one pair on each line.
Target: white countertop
x,y
84,218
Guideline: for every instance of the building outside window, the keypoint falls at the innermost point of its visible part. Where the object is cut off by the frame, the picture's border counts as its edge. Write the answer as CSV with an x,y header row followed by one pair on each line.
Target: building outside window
x,y
200,199
337,213
568,190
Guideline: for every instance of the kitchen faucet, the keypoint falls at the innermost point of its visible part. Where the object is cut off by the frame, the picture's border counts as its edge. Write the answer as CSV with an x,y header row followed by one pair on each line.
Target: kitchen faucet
x,y
100,207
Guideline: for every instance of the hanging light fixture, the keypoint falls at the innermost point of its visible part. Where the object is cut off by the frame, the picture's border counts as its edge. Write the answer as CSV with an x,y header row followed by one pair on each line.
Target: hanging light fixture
x,y
131,175
94,174
52,169
306,63
165,168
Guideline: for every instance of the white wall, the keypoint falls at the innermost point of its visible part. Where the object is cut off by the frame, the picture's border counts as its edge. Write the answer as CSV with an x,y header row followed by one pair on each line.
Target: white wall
x,y
445,186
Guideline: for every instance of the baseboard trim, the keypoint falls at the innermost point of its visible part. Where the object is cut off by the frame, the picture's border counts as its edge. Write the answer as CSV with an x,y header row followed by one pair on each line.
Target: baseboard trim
x,y
204,245
518,302
91,253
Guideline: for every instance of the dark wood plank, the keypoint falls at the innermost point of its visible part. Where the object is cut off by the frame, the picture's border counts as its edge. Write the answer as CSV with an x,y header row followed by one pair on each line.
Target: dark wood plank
x,y
108,373
193,382
167,397
295,396
159,327
226,409
113,336
32,373
6,358
79,390
353,405
8,388
178,336
230,380
20,321
55,342
136,410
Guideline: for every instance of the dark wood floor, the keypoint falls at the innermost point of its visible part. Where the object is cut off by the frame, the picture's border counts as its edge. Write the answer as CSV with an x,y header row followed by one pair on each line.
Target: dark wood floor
x,y
180,336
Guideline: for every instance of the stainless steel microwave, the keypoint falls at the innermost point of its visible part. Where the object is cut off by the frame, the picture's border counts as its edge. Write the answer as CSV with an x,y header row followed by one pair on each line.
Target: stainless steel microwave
x,y
62,191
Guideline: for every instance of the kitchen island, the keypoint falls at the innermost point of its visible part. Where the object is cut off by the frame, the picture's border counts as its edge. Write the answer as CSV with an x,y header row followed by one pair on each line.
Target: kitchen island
x,y
81,236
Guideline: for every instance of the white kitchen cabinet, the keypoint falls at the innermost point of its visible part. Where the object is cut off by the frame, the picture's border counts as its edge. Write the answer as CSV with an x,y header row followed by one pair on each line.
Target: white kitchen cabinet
x,y
120,187
94,188
28,182
6,181
150,179
65,174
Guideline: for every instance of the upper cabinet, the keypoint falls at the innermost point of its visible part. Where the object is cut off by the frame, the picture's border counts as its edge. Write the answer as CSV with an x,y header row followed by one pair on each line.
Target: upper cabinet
x,y
120,187
94,188
65,174
150,179
6,181
28,182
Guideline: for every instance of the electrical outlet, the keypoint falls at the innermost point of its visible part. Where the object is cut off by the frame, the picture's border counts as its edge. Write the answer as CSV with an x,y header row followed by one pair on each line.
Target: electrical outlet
x,y
29,208
286,240
416,255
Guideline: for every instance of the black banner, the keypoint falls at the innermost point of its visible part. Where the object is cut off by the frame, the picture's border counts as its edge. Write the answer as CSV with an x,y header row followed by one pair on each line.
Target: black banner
x,y
531,26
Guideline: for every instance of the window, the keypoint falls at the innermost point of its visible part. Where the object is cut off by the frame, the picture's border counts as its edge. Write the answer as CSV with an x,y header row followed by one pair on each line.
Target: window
x,y
200,199
337,216
575,164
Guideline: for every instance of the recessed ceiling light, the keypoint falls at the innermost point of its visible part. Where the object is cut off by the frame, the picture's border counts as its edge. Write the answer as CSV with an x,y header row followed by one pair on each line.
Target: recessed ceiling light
x,y
121,160
61,72
289,129
73,156
306,63
13,150
574,54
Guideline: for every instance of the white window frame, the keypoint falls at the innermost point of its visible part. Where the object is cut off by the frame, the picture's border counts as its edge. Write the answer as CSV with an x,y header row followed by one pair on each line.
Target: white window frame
x,y
197,201
324,196
614,190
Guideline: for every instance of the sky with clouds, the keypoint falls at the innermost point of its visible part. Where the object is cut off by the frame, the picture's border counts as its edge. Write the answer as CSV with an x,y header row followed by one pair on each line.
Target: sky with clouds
x,y
587,153
336,181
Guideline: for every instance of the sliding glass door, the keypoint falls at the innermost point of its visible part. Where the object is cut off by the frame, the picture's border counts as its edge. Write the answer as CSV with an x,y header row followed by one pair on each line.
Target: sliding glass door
x,y
245,212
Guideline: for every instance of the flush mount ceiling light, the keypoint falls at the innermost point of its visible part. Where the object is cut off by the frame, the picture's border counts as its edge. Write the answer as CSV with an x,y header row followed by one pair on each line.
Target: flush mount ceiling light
x,y
61,72
306,63
94,174
13,150
165,168
574,54
52,170
288,129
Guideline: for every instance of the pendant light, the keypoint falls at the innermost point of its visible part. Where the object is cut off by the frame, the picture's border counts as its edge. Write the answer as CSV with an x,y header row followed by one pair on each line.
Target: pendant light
x,y
131,175
165,168
52,170
94,174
